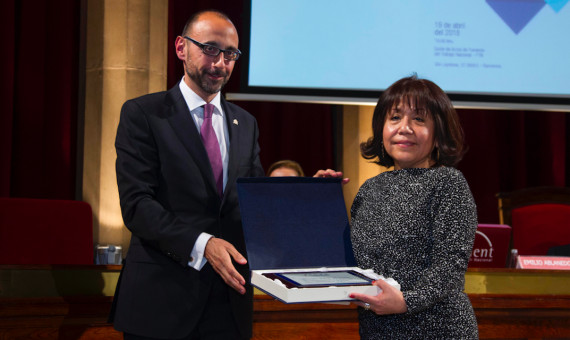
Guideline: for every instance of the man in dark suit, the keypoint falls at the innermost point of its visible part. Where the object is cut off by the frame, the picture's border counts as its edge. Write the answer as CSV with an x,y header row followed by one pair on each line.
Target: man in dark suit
x,y
185,273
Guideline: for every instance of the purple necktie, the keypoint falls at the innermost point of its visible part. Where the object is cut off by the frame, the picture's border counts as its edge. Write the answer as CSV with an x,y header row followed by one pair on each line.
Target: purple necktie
x,y
212,147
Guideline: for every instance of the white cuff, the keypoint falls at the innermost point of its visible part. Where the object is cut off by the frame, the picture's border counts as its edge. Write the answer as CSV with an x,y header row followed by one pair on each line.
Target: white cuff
x,y
197,259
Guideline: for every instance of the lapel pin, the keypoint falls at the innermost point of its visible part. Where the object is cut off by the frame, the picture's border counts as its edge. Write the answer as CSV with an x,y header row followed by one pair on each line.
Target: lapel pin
x,y
236,122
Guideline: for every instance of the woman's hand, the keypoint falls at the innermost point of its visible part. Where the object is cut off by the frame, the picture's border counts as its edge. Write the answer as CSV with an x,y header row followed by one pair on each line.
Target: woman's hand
x,y
389,301
331,173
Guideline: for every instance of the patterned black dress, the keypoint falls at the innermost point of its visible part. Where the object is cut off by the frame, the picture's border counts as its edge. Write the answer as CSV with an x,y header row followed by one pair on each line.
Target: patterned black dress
x,y
418,226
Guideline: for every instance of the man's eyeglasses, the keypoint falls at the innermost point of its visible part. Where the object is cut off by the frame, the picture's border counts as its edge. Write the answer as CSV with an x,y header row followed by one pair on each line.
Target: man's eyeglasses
x,y
211,50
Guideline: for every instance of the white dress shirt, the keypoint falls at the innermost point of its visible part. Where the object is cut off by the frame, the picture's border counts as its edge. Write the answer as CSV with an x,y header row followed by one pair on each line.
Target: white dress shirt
x,y
195,105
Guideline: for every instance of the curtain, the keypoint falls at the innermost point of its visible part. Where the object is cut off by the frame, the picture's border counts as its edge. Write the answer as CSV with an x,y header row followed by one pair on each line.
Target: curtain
x,y
511,150
39,98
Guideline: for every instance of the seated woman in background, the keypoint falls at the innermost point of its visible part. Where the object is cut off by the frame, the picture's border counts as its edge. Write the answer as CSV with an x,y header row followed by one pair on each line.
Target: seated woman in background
x,y
416,223
285,168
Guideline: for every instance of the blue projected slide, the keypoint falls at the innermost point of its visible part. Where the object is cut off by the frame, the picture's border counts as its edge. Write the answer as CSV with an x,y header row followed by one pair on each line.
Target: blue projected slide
x,y
507,47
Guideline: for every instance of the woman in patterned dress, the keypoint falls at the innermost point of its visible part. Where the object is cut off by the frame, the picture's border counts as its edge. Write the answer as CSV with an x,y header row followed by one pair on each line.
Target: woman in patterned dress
x,y
416,223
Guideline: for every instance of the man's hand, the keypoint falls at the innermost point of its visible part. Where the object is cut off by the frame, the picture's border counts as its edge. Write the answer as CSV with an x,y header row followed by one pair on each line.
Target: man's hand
x,y
331,173
219,254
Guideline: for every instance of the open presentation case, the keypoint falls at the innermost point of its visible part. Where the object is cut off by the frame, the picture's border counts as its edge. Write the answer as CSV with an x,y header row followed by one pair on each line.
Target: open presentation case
x,y
298,240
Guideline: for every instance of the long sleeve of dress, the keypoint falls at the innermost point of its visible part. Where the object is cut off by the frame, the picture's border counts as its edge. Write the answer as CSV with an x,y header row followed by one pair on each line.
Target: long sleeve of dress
x,y
454,226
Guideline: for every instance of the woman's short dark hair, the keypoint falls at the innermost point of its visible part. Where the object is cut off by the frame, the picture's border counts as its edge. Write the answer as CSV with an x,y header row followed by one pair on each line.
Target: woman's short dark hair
x,y
419,93
286,163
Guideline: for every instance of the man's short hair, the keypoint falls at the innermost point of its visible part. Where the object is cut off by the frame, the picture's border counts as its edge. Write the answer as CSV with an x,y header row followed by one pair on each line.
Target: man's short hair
x,y
194,18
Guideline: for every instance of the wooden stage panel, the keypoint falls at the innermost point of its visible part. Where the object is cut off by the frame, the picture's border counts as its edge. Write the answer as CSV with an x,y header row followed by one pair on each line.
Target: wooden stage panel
x,y
522,316
57,302
499,316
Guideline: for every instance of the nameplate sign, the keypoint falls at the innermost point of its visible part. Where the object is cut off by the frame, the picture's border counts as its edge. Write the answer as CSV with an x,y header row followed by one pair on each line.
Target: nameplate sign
x,y
491,246
543,262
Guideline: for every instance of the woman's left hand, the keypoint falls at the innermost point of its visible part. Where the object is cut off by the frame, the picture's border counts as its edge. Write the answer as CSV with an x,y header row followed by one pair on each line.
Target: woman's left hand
x,y
389,301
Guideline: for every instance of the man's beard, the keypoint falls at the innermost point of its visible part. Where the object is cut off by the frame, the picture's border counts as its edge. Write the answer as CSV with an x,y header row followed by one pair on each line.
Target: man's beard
x,y
201,79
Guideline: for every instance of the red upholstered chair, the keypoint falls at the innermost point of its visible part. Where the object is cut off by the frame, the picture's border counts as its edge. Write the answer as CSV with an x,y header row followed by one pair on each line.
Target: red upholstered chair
x,y
38,231
539,217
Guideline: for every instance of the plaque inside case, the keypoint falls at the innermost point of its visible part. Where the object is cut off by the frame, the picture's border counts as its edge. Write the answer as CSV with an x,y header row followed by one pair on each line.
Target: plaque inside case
x,y
296,229
318,278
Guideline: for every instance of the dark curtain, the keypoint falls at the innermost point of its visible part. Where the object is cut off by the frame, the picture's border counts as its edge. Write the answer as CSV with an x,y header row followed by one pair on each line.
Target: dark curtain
x,y
39,98
511,150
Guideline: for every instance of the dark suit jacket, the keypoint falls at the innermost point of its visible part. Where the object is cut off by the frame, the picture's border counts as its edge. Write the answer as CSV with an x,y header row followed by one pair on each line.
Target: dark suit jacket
x,y
168,197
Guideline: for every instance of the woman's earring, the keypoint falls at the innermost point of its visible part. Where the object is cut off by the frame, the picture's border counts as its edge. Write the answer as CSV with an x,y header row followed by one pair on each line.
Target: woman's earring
x,y
382,148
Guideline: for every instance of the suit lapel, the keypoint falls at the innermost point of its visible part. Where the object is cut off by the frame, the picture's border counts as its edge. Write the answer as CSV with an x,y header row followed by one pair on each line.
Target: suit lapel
x,y
185,129
232,122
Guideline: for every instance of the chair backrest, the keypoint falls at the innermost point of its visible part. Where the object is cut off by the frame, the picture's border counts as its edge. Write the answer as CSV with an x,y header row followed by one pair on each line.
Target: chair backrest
x,y
539,217
40,231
